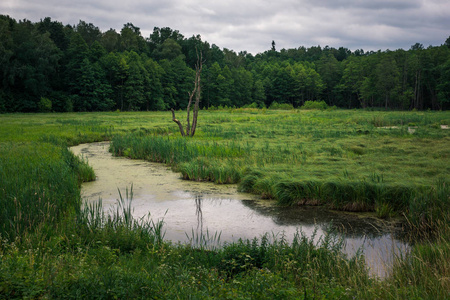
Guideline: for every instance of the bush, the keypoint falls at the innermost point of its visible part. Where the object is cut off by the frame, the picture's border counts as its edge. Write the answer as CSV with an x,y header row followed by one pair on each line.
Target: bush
x,y
281,106
315,105
45,105
252,105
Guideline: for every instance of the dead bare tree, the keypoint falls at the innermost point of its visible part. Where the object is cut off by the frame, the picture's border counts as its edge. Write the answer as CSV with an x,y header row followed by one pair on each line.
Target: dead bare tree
x,y
196,92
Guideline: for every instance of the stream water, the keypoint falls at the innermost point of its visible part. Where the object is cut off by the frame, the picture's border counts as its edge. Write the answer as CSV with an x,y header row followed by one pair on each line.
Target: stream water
x,y
192,209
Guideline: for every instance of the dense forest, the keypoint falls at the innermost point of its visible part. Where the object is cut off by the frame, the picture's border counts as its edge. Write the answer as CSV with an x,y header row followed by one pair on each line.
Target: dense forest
x,y
49,66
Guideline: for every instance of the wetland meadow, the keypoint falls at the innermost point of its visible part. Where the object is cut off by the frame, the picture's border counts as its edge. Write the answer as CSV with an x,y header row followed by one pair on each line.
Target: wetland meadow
x,y
390,166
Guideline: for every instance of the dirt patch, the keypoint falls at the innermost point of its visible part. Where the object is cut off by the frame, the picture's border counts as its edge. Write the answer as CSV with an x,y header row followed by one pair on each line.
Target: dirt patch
x,y
389,127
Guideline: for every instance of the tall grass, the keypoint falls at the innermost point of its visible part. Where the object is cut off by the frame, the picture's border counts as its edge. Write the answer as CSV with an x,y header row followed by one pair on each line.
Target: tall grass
x,y
197,160
39,185
117,228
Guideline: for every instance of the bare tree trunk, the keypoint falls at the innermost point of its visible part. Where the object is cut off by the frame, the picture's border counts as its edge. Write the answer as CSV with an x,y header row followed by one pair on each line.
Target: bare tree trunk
x,y
178,122
191,95
190,128
197,101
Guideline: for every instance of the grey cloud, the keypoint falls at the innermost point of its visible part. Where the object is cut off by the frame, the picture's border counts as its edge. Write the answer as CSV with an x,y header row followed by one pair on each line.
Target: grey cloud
x,y
364,4
252,25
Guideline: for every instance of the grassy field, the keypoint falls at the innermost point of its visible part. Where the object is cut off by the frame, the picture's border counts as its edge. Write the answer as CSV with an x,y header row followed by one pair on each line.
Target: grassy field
x,y
346,159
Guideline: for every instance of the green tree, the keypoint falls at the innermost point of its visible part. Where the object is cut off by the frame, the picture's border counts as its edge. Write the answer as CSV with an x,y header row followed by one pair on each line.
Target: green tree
x,y
330,71
96,52
190,48
110,40
131,39
75,55
431,62
154,96
32,67
169,49
176,81
210,84
443,86
92,92
242,88
159,35
6,53
134,84
258,93
225,85
308,83
56,30
353,78
88,31
387,79
213,55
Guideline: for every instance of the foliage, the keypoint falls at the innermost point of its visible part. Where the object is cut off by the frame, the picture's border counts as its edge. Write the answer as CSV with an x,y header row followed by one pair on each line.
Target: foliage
x,y
45,105
282,106
315,105
91,70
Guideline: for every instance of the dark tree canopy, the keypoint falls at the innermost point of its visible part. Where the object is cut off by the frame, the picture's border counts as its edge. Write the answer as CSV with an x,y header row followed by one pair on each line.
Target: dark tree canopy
x,y
81,68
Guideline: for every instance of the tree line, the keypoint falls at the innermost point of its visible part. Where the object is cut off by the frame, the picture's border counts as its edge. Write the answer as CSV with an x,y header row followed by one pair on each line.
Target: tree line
x,y
48,66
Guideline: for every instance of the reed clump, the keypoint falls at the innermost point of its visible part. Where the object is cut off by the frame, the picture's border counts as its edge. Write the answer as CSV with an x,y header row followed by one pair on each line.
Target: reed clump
x,y
196,160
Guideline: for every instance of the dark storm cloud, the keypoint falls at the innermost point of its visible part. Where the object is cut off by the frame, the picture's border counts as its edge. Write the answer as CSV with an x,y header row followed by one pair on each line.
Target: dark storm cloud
x,y
252,25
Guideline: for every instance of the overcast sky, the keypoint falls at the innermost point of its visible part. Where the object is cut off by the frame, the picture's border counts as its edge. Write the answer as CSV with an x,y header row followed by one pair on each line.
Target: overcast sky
x,y
251,25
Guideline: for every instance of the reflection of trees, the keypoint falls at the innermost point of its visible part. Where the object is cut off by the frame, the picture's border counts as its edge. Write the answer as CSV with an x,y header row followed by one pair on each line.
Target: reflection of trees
x,y
201,237
330,221
198,212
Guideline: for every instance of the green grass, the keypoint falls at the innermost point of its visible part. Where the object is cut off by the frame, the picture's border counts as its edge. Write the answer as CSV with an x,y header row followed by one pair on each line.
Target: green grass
x,y
39,186
53,247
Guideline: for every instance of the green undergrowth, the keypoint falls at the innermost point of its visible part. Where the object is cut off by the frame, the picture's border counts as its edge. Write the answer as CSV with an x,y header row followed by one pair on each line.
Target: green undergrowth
x,y
39,186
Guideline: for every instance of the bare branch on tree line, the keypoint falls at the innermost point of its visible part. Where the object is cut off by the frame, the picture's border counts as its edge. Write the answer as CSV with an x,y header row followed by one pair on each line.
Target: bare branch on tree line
x,y
190,128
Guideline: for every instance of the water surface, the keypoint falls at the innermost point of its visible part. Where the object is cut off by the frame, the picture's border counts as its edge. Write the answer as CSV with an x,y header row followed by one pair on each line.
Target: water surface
x,y
191,209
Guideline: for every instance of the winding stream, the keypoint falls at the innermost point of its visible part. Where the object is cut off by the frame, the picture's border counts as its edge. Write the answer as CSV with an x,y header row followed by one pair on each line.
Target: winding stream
x,y
191,209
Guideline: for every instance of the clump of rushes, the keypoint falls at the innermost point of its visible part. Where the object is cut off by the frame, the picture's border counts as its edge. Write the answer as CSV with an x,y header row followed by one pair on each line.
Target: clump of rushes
x,y
197,160
427,266
201,169
430,209
117,229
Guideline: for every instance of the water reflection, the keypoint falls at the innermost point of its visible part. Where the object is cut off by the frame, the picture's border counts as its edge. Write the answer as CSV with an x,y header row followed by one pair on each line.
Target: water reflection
x,y
192,210
350,224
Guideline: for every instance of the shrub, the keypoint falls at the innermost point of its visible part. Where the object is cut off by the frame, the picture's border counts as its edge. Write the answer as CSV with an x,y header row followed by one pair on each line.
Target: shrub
x,y
281,106
315,105
45,105
252,105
